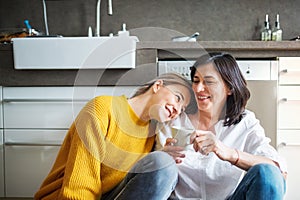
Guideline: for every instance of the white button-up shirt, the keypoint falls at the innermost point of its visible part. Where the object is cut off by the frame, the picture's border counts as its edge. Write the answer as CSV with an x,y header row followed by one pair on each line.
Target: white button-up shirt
x,y
208,177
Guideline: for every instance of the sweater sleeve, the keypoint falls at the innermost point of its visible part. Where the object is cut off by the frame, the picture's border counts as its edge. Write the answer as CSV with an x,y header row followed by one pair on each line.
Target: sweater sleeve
x,y
87,149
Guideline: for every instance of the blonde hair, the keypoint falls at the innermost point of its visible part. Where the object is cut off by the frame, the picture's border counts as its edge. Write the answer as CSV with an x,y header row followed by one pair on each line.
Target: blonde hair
x,y
171,78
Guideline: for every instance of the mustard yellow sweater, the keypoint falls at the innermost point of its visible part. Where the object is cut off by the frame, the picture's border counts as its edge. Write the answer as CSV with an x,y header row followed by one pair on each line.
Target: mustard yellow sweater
x,y
102,144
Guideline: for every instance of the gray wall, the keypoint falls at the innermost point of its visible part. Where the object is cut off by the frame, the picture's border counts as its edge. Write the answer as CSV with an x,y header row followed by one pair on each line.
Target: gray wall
x,y
215,20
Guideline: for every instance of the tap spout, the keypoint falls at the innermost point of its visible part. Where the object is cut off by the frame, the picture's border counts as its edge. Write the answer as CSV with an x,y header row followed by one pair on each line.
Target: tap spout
x,y
98,19
110,12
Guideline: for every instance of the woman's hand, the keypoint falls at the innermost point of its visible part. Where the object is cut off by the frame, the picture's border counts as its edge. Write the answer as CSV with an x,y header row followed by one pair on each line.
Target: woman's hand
x,y
206,142
174,151
203,141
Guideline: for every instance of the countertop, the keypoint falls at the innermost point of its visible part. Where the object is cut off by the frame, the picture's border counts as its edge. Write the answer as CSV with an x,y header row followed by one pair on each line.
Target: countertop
x,y
147,54
255,45
240,49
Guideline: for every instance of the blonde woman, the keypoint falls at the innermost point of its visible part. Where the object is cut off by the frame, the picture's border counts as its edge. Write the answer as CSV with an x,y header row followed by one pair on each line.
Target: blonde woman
x,y
105,153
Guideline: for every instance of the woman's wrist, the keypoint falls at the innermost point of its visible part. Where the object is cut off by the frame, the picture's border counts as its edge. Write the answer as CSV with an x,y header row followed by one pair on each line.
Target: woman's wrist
x,y
236,158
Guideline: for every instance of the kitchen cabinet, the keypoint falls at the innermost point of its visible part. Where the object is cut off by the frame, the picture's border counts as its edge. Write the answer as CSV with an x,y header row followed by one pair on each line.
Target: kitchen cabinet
x,y
29,155
35,122
1,165
1,148
289,121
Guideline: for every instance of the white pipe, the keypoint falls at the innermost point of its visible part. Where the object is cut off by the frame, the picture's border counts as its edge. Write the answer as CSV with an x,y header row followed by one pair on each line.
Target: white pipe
x,y
110,11
45,17
98,19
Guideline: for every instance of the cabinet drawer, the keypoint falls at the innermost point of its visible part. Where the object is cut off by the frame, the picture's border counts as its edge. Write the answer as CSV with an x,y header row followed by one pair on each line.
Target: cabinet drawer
x,y
1,112
33,137
288,115
289,107
1,165
288,137
259,69
289,93
40,114
50,107
289,69
63,93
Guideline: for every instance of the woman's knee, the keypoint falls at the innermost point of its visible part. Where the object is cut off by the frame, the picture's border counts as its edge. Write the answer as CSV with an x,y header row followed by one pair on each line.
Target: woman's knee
x,y
156,161
265,170
268,175
163,162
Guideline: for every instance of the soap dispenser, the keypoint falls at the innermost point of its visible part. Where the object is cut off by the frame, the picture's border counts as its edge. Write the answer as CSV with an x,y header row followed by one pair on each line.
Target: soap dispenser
x,y
123,32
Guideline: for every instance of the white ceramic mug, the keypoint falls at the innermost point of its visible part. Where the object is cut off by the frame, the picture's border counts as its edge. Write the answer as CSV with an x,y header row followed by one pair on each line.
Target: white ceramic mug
x,y
182,135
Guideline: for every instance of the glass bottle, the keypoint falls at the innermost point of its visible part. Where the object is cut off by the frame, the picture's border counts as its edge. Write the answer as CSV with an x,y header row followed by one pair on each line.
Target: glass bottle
x,y
277,31
266,33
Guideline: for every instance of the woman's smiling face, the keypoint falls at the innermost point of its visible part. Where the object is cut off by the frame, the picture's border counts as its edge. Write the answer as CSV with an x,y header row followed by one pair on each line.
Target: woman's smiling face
x,y
168,102
209,88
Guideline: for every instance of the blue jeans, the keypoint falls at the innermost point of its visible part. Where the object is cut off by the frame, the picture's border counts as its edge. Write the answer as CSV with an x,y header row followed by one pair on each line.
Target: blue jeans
x,y
153,177
261,182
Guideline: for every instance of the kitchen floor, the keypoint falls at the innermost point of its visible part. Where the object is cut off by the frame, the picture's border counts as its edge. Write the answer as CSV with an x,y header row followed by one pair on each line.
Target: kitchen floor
x,y
1,198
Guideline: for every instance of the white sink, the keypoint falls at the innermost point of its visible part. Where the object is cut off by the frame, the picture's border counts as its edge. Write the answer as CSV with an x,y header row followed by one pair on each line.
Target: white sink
x,y
75,52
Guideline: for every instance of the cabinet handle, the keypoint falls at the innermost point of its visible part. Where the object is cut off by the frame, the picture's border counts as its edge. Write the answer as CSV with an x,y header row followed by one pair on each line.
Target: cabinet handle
x,y
290,71
284,71
29,144
281,145
44,100
284,99
289,100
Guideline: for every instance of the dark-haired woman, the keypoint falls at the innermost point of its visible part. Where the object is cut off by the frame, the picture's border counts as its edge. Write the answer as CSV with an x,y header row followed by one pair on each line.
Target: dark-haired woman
x,y
229,156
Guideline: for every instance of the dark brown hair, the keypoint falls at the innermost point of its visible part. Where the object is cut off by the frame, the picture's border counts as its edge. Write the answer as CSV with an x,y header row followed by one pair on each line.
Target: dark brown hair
x,y
230,72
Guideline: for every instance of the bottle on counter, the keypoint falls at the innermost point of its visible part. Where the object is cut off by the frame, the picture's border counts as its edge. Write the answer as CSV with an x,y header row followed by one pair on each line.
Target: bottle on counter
x,y
266,33
123,31
277,31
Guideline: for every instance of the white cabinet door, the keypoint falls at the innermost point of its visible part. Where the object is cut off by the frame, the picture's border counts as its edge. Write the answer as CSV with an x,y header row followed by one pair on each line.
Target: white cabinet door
x,y
291,154
36,120
29,156
41,114
256,69
288,121
1,165
1,111
26,167
1,148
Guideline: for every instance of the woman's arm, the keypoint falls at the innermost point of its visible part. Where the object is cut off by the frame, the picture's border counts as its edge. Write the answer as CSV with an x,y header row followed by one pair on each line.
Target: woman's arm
x,y
87,149
206,142
239,158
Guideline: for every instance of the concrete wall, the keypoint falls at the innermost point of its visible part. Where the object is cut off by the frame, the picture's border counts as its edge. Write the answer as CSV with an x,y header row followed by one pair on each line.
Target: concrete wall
x,y
215,20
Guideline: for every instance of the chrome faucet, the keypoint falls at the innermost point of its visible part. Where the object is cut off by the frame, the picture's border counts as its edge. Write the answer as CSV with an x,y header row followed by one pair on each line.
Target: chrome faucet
x,y
110,12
